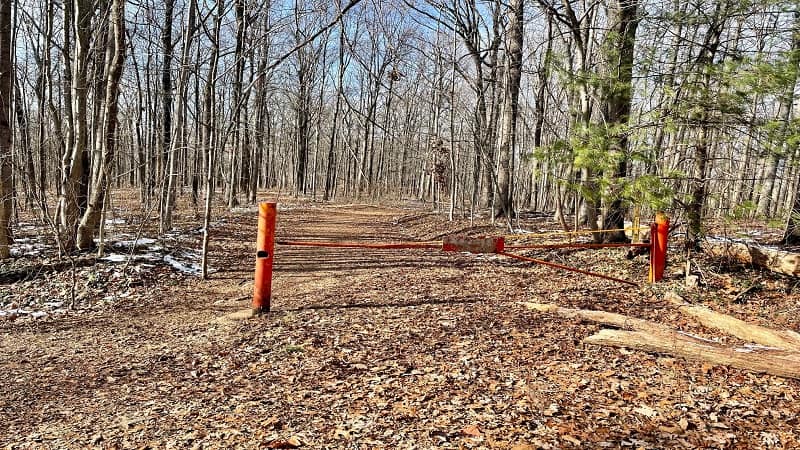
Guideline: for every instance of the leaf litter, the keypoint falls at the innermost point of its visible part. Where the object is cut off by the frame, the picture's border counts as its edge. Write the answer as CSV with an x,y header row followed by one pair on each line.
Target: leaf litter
x,y
374,349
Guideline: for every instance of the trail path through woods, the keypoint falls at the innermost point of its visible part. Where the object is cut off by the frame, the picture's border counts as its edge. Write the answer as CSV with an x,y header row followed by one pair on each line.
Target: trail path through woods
x,y
383,349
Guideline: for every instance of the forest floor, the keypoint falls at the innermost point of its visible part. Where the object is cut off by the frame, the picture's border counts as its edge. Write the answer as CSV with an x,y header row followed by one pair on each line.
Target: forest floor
x,y
369,349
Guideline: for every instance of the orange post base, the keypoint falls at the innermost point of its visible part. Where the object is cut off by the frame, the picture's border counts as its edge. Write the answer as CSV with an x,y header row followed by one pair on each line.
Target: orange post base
x,y
659,231
265,245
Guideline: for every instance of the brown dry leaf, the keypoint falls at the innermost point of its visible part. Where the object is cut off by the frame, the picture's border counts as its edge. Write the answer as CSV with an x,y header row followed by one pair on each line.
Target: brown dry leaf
x,y
672,430
292,442
405,411
706,368
471,430
449,349
523,447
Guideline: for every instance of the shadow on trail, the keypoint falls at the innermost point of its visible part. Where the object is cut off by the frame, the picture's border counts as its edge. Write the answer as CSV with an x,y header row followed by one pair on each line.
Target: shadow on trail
x,y
380,305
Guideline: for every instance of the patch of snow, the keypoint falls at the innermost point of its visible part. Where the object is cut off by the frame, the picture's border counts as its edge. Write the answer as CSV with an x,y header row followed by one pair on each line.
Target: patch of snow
x,y
148,257
188,268
136,243
726,240
245,209
115,221
19,249
115,257
119,257
749,348
17,312
38,314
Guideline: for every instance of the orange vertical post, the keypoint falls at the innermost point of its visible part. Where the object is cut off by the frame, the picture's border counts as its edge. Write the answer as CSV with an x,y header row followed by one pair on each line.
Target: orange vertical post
x,y
265,245
659,231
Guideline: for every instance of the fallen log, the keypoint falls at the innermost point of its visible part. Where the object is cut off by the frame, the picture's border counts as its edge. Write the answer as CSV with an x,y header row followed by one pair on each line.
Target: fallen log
x,y
770,361
783,339
640,334
778,261
600,317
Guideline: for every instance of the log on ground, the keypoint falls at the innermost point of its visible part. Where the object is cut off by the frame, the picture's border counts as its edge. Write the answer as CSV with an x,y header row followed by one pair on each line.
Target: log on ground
x,y
774,362
783,339
778,261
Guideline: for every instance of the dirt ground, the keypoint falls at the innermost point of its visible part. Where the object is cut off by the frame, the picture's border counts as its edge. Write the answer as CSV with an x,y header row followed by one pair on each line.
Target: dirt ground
x,y
377,349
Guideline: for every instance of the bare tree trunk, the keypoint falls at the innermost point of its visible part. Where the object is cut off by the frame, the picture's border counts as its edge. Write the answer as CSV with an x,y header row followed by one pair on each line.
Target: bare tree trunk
x,y
115,60
44,92
791,234
66,92
770,172
180,118
168,150
541,90
23,146
452,149
780,146
623,20
237,100
6,96
207,135
330,170
701,119
504,204
262,131
75,162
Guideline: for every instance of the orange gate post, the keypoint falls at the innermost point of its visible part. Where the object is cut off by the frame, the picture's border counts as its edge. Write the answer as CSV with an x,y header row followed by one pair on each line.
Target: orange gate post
x,y
659,231
265,246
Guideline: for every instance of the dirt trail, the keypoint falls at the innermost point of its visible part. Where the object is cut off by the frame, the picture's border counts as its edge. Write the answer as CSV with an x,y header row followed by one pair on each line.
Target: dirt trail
x,y
61,379
372,349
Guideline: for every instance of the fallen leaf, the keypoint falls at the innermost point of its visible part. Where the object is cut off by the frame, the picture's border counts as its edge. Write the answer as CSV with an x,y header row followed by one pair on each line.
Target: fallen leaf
x,y
471,430
646,411
671,430
292,442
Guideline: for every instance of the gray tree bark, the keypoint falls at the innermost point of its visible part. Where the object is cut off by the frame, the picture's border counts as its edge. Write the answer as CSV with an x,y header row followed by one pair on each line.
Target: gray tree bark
x,y
6,93
115,61
72,198
167,135
504,203
620,41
